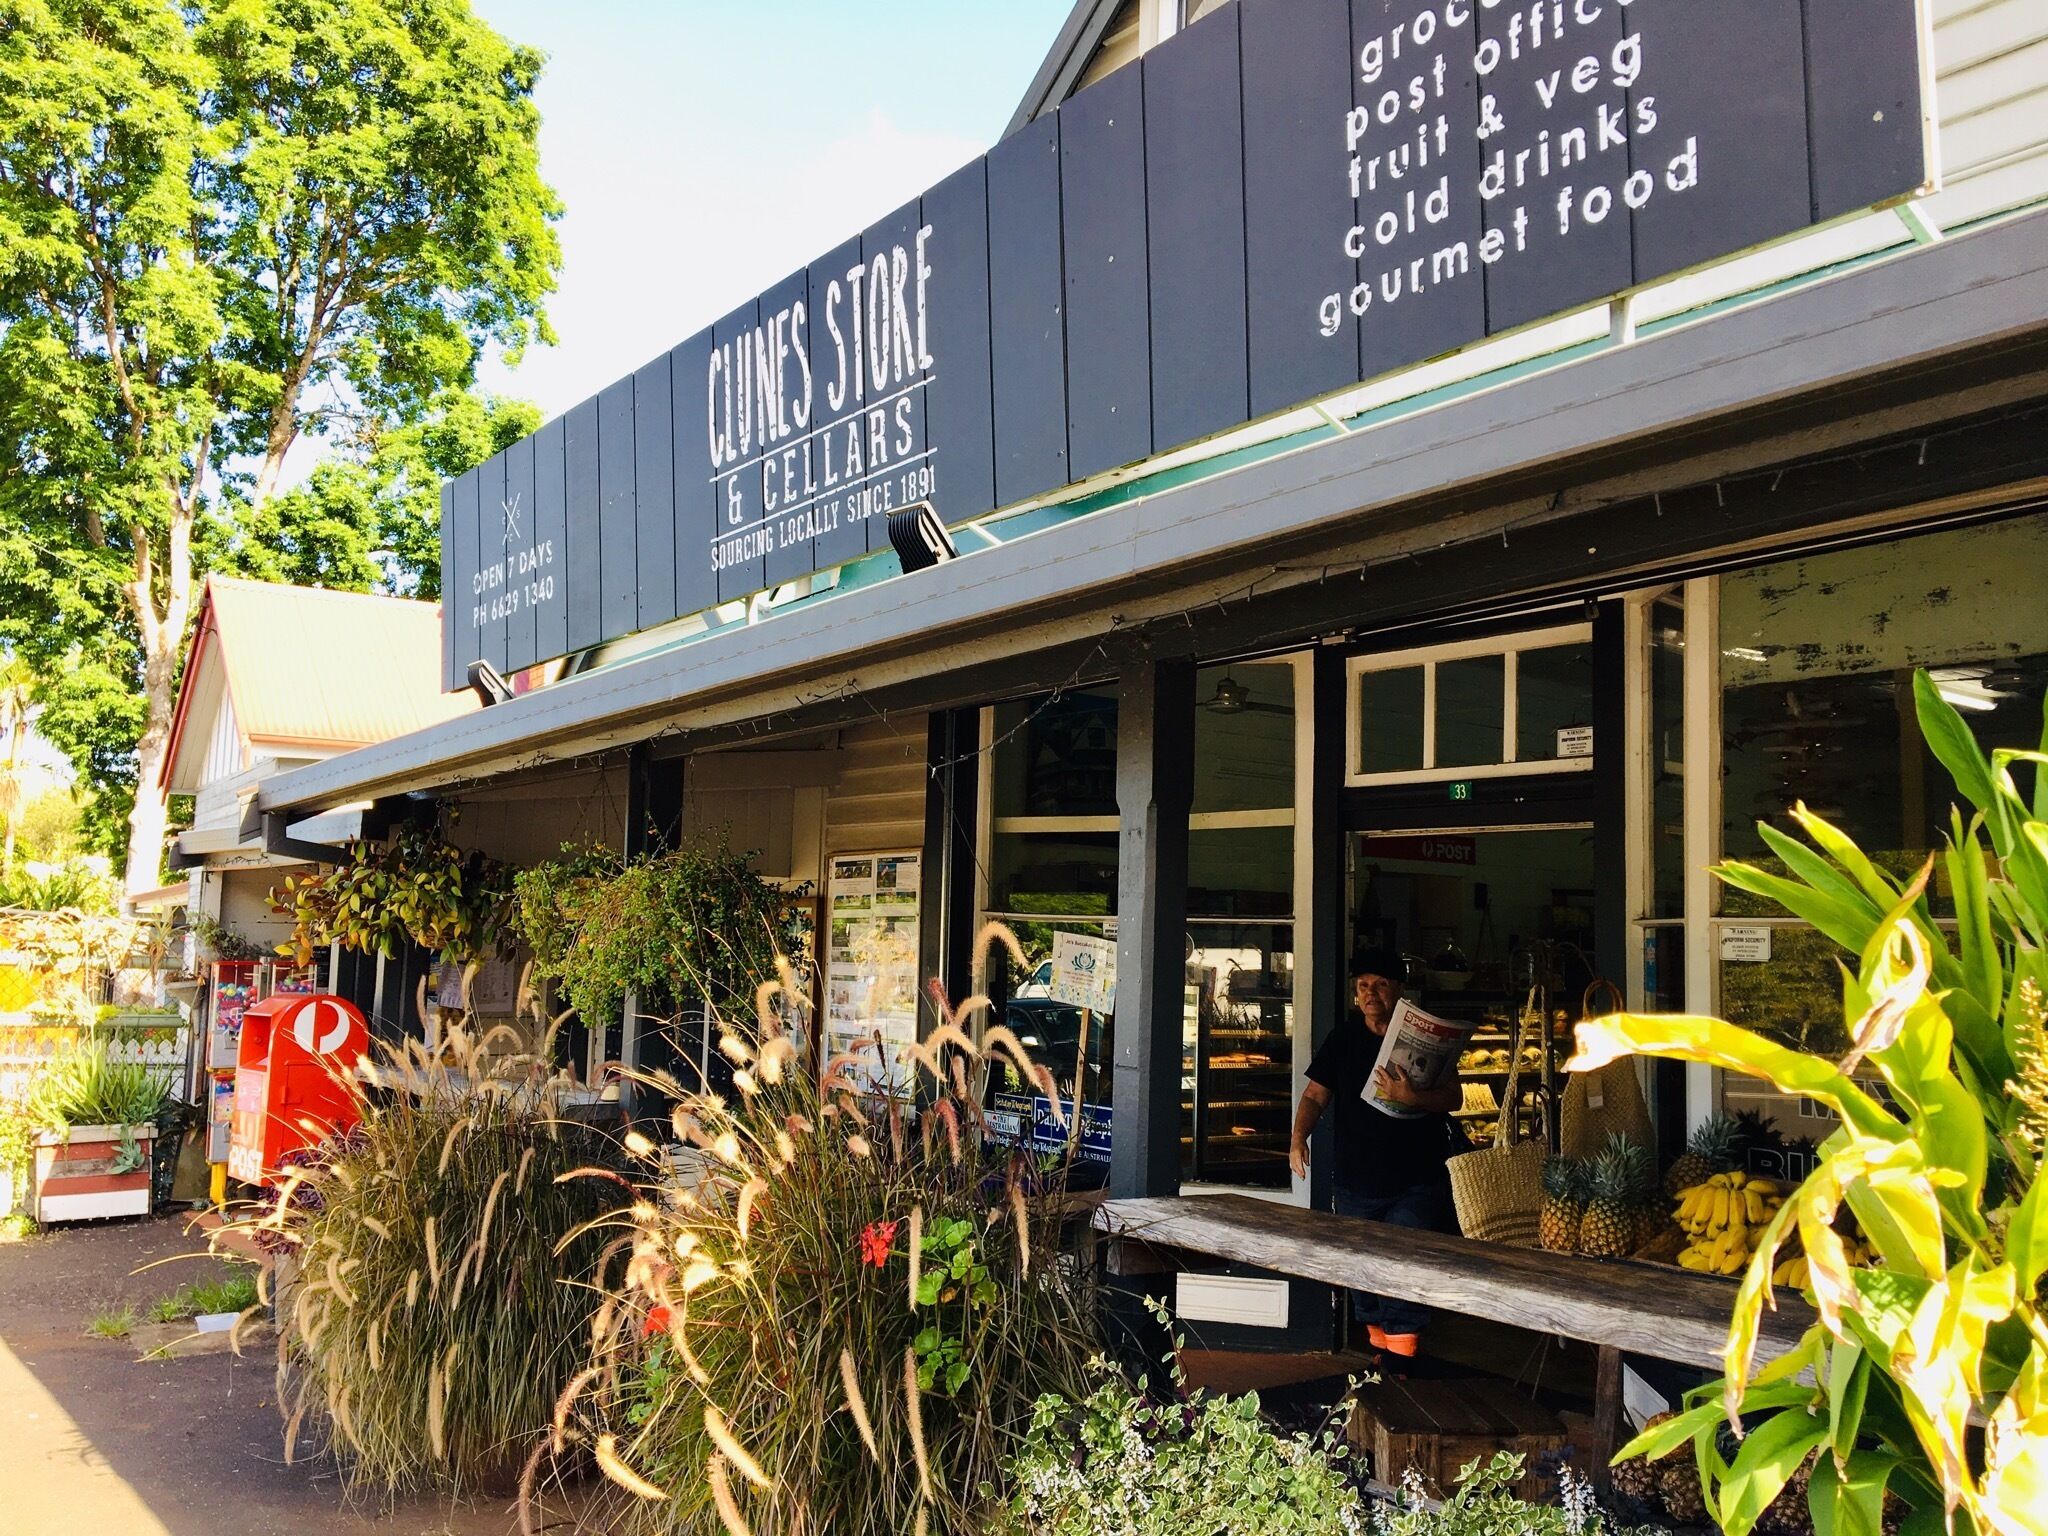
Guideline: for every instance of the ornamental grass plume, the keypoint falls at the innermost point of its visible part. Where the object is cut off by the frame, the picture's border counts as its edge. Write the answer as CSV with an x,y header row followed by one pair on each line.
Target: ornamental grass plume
x,y
438,1249
773,1359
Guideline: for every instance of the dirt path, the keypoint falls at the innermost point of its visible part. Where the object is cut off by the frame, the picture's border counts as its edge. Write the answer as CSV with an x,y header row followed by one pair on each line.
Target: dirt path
x,y
94,1442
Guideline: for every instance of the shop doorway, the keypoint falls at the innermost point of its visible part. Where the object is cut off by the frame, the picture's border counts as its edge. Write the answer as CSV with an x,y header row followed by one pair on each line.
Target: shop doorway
x,y
1496,926
1469,826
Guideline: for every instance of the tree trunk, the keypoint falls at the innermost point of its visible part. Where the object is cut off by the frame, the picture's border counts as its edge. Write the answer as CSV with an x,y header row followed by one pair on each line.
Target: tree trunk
x,y
152,811
284,431
11,791
162,636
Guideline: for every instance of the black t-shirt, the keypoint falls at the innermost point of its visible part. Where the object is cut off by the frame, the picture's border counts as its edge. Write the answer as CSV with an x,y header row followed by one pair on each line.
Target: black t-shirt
x,y
1377,1154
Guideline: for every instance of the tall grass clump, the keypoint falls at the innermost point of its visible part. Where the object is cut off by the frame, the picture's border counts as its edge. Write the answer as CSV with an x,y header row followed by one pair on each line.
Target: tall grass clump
x,y
844,1323
443,1250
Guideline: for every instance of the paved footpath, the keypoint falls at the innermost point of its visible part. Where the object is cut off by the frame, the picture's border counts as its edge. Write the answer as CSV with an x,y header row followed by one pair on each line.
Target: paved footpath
x,y
94,1442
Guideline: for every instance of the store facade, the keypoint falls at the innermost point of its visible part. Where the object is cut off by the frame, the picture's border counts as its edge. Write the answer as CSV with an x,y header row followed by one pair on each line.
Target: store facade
x,y
1310,585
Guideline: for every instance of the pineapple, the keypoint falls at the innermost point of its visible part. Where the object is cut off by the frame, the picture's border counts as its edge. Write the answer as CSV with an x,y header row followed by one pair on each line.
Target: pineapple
x,y
1636,1481
1710,1151
1678,1485
1608,1230
1564,1204
1646,1206
1789,1513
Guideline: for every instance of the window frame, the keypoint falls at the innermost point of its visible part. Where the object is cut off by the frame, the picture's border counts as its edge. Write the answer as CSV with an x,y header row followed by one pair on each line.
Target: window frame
x,y
1301,919
1509,647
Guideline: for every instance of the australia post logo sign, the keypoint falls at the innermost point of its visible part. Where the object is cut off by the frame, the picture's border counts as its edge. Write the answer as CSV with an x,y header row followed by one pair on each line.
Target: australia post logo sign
x,y
1284,199
817,421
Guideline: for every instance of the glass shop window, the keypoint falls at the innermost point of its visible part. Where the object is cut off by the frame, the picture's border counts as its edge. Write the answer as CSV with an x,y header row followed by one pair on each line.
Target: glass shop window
x,y
1661,919
1238,1016
1519,704
1051,869
1053,801
1816,670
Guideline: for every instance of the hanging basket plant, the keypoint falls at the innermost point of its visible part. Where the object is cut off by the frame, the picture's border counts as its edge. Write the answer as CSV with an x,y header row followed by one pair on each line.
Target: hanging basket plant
x,y
415,889
690,923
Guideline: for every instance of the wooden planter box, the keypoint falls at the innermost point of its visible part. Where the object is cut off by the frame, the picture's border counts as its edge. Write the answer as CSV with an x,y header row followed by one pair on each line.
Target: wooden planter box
x,y
75,1177
1437,1426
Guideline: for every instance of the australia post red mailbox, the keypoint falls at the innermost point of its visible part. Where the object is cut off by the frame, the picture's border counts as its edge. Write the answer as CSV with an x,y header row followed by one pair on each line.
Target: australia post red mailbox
x,y
289,1079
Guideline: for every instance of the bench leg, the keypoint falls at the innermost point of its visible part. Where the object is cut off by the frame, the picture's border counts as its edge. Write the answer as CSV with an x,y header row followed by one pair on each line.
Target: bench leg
x,y
1606,1414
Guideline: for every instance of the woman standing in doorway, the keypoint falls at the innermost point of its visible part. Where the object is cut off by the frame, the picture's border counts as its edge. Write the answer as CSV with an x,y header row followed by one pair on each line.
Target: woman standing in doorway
x,y
1387,1168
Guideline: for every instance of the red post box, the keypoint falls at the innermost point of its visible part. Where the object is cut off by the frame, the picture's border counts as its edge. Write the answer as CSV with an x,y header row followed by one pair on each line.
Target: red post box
x,y
290,1079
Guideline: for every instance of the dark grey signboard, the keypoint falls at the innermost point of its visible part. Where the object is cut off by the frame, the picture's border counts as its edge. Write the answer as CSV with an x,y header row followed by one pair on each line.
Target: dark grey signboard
x,y
1287,198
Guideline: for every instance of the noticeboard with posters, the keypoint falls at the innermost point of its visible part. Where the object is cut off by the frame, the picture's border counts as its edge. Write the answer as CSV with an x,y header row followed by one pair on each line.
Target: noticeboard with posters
x,y
871,992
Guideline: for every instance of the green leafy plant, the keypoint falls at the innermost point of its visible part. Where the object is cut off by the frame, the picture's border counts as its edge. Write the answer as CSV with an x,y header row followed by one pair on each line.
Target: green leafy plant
x,y
17,1137
952,1282
1124,1461
221,942
765,1326
691,924
16,1227
234,1291
1485,1504
115,1323
72,950
86,1085
415,887
79,884
1926,1374
445,1248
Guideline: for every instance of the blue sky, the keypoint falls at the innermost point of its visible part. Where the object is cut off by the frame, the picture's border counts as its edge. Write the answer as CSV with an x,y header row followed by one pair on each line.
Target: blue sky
x,y
707,148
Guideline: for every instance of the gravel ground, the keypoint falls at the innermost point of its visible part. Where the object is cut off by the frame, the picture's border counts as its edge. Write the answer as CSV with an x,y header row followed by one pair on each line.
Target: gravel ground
x,y
96,1442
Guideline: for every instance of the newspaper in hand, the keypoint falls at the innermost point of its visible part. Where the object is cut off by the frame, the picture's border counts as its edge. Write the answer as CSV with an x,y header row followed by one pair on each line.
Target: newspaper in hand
x,y
1424,1047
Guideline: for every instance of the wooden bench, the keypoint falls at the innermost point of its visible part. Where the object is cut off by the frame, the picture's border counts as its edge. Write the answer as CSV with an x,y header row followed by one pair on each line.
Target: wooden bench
x,y
1620,1306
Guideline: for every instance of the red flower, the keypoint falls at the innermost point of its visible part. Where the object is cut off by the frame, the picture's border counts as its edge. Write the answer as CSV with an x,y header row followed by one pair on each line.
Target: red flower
x,y
876,1239
657,1322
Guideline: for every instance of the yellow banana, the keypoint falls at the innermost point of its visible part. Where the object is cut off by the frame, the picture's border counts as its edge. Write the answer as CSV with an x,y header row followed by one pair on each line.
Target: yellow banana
x,y
1792,1272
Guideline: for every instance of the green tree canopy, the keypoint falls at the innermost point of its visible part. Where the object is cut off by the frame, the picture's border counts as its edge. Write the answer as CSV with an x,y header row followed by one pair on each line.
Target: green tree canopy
x,y
226,225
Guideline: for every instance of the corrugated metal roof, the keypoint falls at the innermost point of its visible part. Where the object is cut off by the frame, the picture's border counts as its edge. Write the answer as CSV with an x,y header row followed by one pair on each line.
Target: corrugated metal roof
x,y
330,669
312,672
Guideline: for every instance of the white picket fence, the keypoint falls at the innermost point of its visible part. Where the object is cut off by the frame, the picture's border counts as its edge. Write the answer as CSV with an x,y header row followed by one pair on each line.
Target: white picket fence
x,y
26,1049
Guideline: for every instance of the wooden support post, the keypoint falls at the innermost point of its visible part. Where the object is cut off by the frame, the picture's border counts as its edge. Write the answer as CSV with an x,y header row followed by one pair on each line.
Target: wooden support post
x,y
945,936
1154,788
1325,940
1606,1413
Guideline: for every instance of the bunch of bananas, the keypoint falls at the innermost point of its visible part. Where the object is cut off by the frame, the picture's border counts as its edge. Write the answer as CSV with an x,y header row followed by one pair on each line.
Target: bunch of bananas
x,y
1722,1215
1795,1272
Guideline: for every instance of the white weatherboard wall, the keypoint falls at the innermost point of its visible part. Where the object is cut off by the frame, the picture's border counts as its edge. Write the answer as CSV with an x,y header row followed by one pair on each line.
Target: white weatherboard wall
x,y
876,802
1991,93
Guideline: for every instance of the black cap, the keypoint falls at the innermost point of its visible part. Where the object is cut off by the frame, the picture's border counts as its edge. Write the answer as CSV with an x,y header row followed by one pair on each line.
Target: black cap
x,y
1379,962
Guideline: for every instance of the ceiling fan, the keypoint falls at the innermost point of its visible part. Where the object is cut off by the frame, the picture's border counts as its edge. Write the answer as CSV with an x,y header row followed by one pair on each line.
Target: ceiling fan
x,y
1235,698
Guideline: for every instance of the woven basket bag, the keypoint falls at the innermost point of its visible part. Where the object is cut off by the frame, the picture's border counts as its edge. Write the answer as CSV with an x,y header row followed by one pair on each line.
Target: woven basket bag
x,y
1498,1190
1605,1102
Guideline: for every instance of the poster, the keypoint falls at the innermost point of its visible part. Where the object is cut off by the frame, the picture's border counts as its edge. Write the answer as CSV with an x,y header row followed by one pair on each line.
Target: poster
x,y
871,964
1083,971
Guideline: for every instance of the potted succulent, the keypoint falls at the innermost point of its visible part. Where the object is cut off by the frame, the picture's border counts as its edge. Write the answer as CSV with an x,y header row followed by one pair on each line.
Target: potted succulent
x,y
95,1122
